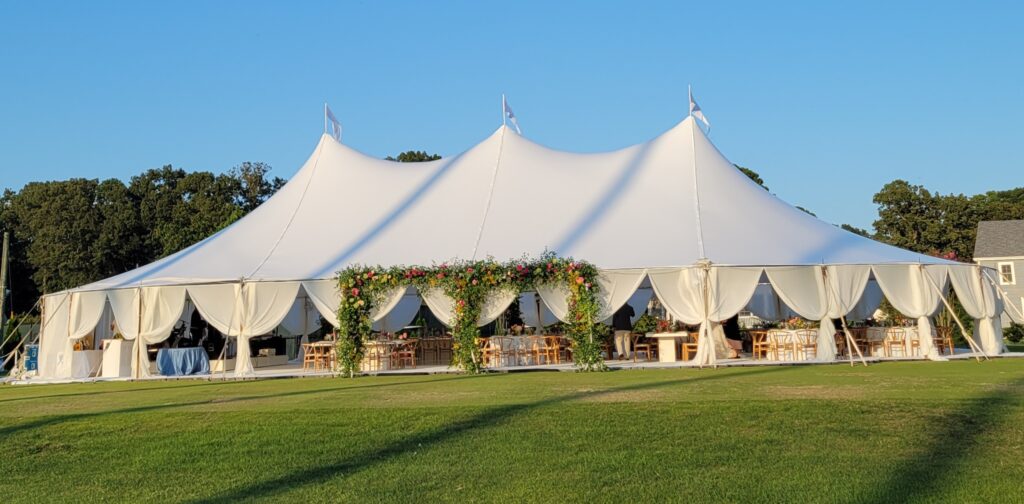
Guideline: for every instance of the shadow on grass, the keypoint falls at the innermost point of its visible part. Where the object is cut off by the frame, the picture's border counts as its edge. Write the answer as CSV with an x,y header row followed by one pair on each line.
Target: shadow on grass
x,y
46,421
487,418
83,391
954,436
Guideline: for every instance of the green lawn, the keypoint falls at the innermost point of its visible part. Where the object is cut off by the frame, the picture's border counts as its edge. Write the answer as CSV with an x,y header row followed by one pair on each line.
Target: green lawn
x,y
893,432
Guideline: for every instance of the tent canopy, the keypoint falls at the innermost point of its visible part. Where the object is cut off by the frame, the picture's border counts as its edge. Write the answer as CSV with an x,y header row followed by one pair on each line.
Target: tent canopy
x,y
668,202
671,213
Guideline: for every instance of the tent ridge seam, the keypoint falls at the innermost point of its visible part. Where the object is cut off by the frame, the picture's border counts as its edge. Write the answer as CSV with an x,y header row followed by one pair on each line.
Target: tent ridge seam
x,y
291,218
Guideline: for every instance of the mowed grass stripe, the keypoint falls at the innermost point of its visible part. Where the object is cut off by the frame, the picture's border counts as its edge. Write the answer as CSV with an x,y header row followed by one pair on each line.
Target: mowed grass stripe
x,y
892,432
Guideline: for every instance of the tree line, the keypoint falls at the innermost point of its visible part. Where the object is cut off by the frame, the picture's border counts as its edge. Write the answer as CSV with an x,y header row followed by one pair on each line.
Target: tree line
x,y
71,232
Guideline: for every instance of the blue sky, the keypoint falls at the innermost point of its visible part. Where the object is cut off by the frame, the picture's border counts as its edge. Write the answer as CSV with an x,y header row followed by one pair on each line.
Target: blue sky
x,y
827,102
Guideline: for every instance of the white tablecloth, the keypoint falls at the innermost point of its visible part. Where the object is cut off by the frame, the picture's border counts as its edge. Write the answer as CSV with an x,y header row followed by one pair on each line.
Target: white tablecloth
x,y
117,358
377,355
86,363
522,342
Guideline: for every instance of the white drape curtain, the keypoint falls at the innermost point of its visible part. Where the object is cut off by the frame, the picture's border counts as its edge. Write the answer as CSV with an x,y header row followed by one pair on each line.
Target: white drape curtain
x,y
638,301
803,289
534,311
54,332
443,306
244,311
978,297
161,308
84,312
869,301
766,305
706,296
909,290
389,301
302,319
844,286
325,297
401,313
264,305
616,288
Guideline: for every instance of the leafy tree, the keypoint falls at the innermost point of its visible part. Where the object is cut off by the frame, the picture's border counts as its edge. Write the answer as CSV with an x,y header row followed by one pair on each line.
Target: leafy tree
x,y
911,217
121,244
856,230
254,185
753,175
156,194
414,157
806,211
58,225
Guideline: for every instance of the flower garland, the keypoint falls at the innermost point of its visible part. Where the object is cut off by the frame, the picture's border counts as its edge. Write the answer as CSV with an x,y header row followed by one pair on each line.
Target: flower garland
x,y
469,284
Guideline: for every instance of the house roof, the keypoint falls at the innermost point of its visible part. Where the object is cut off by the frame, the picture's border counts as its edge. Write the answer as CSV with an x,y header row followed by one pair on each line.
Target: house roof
x,y
1000,239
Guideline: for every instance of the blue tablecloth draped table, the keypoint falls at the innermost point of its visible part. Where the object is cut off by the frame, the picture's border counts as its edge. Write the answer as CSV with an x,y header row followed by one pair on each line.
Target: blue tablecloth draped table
x,y
182,361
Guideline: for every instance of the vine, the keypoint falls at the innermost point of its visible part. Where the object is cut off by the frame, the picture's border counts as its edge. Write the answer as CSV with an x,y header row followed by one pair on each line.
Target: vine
x,y
469,284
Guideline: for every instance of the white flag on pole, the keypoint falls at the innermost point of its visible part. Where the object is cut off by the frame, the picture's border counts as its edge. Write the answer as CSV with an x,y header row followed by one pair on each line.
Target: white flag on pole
x,y
335,124
695,110
510,115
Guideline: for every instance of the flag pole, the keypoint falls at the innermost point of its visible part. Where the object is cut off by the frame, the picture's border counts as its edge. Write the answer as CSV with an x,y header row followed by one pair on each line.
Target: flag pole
x,y
689,96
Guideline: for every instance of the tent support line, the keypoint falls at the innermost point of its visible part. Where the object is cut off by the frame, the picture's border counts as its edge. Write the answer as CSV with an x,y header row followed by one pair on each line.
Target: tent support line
x,y
842,318
1006,297
963,331
140,347
490,191
291,218
696,191
17,347
853,344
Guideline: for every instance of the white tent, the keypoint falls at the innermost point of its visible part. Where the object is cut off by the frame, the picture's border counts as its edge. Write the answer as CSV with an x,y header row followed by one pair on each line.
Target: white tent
x,y
672,212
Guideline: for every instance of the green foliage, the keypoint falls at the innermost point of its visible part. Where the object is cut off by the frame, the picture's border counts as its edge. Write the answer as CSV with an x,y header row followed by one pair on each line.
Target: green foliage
x,y
469,284
893,432
856,230
911,217
414,157
753,175
806,211
72,232
645,323
1014,333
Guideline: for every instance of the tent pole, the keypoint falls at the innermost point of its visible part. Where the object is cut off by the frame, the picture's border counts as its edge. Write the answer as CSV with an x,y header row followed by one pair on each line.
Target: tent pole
x,y
842,318
853,344
21,341
141,357
949,307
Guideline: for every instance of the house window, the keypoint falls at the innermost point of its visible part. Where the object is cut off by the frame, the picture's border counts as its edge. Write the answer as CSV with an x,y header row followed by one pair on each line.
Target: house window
x,y
1006,274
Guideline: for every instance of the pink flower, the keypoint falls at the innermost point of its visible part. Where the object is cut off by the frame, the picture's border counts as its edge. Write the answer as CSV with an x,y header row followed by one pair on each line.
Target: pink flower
x,y
579,280
355,291
469,270
440,276
474,281
519,267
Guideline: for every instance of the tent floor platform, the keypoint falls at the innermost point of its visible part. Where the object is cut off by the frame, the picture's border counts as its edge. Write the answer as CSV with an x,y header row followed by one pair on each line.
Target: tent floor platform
x,y
294,370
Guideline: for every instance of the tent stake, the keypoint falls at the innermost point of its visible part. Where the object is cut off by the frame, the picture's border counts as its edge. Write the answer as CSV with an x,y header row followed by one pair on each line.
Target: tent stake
x,y
963,331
